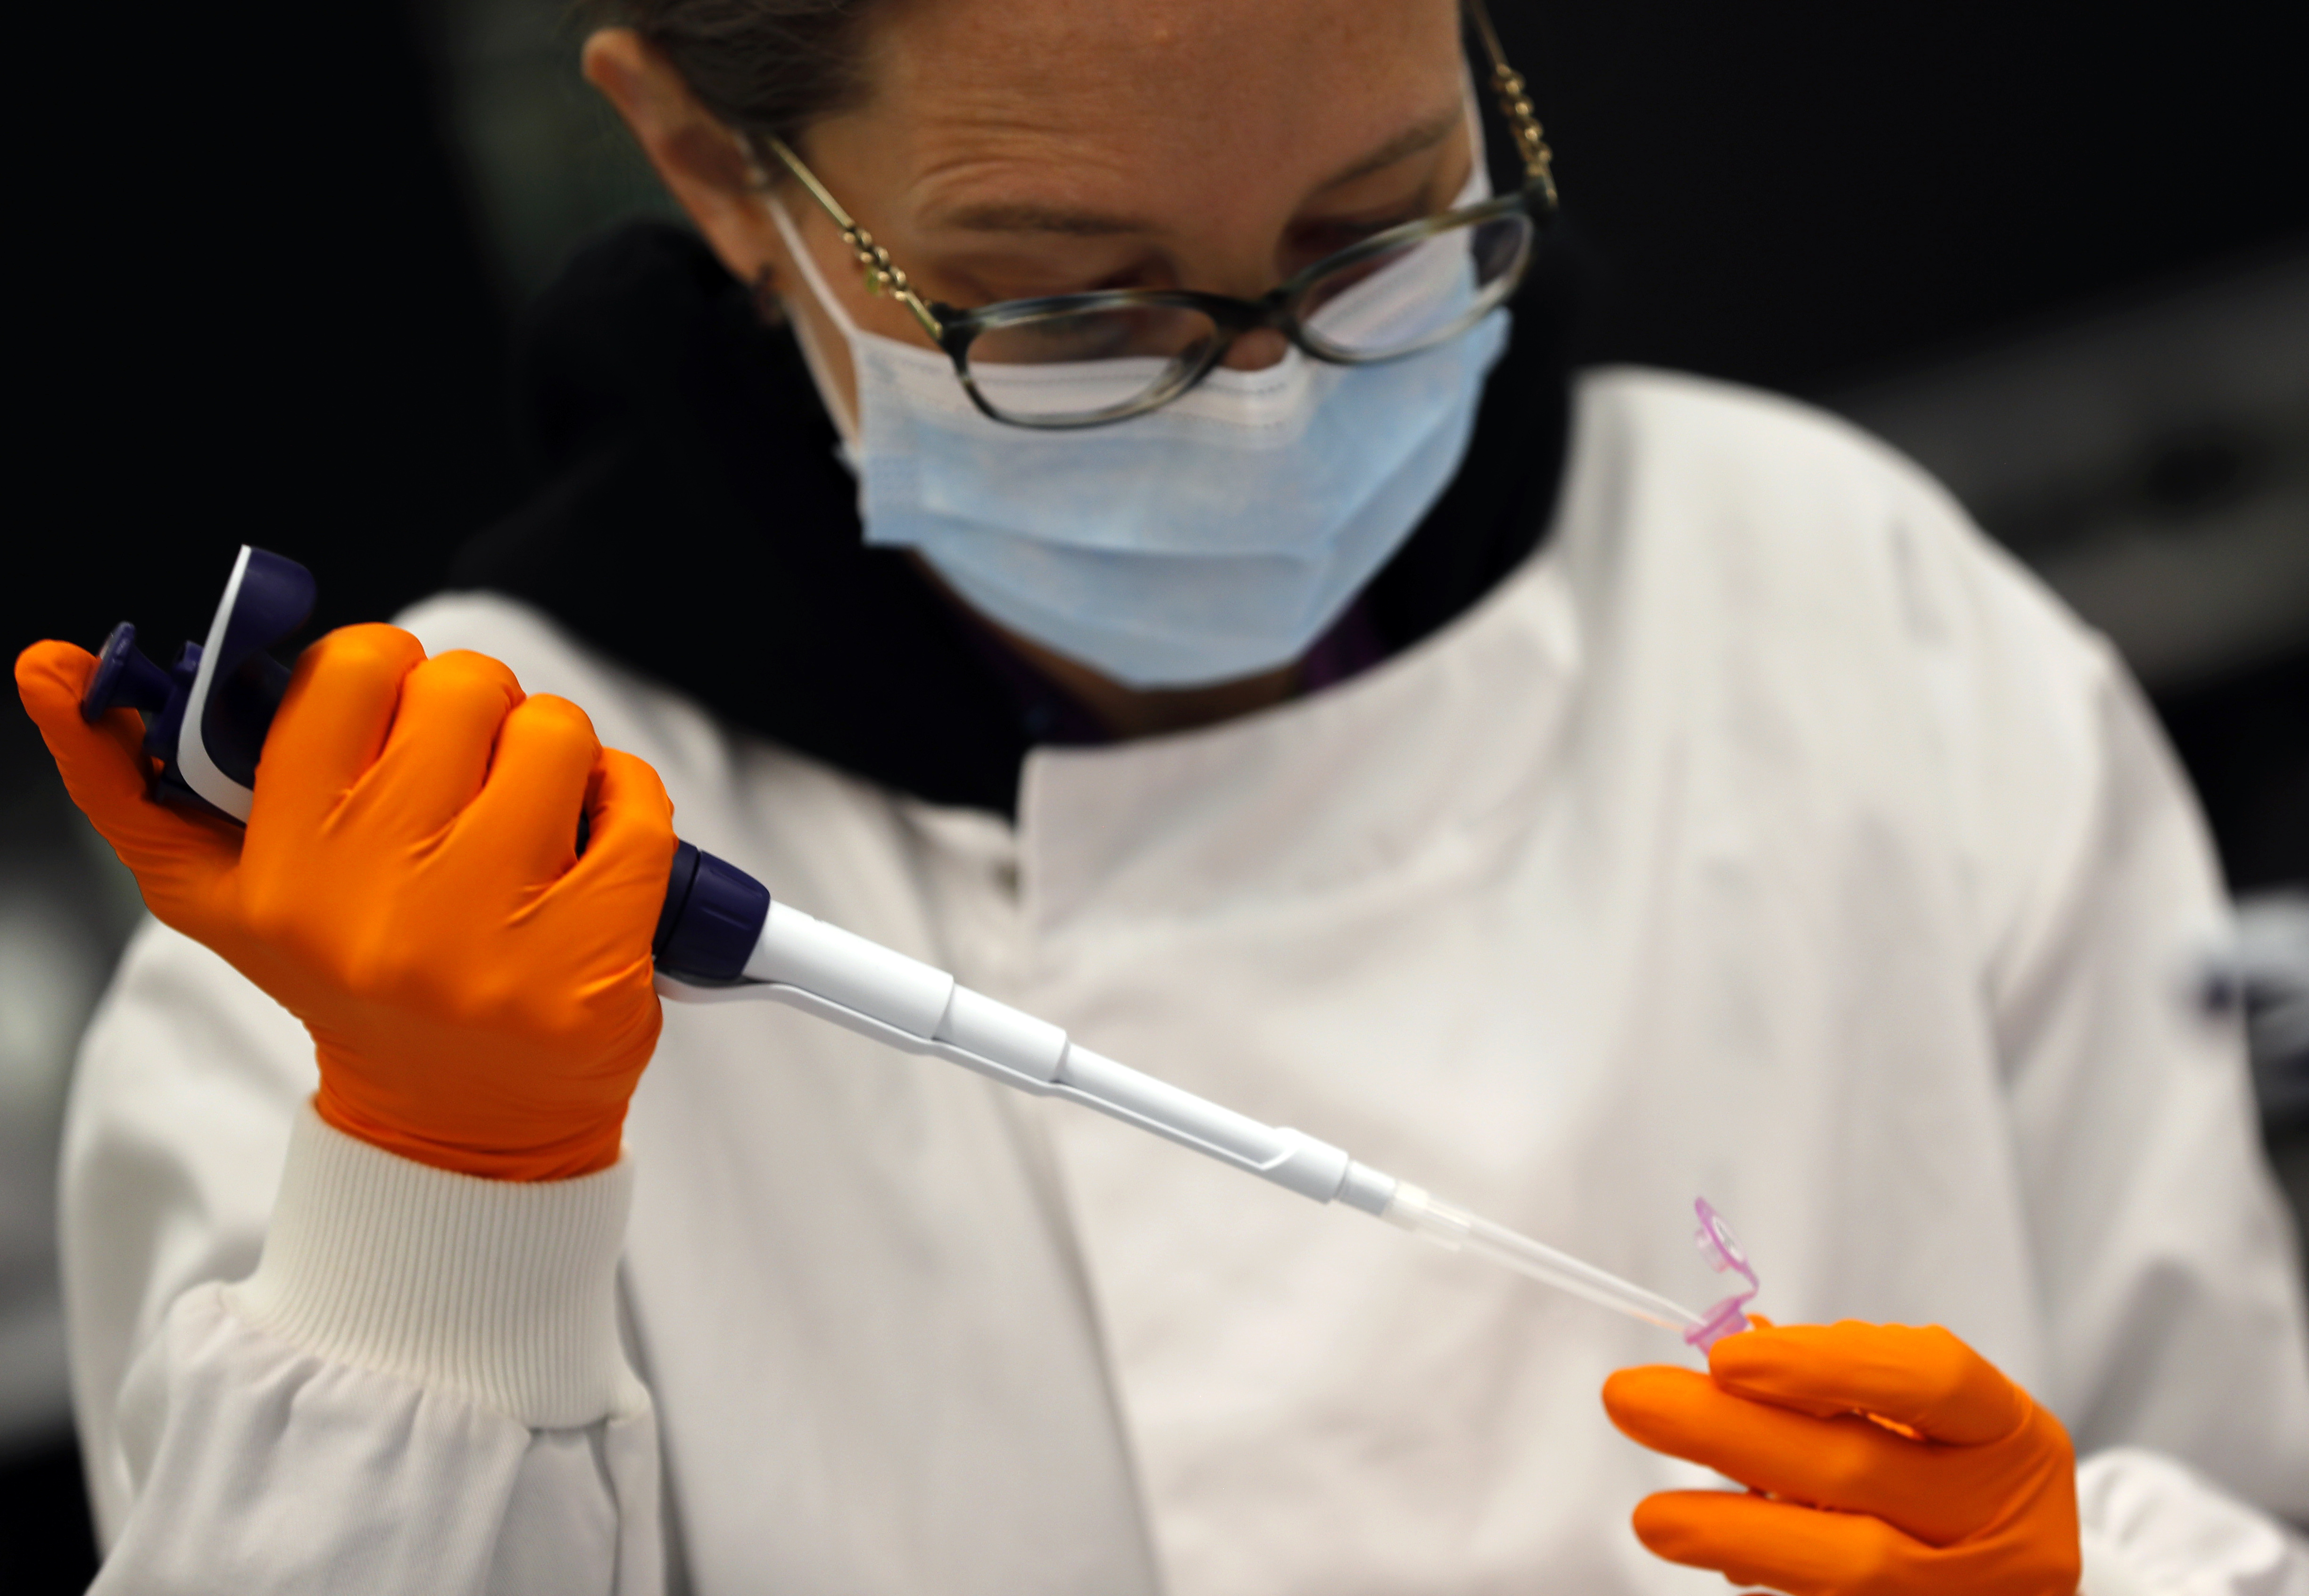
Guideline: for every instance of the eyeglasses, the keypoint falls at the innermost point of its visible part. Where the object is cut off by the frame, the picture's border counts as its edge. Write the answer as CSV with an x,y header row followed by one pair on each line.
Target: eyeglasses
x,y
1030,362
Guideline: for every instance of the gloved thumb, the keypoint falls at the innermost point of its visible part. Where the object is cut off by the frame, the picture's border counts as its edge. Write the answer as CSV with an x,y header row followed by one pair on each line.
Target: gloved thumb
x,y
175,858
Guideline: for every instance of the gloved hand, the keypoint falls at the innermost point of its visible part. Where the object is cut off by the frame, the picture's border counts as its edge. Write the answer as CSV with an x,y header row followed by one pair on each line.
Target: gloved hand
x,y
409,887
1892,1461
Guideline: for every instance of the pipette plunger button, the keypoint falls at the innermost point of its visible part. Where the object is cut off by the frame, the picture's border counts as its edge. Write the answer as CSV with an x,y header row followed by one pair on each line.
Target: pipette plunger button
x,y
124,679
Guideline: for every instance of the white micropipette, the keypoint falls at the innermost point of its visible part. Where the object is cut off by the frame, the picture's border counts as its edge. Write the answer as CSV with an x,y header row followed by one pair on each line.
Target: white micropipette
x,y
822,970
721,934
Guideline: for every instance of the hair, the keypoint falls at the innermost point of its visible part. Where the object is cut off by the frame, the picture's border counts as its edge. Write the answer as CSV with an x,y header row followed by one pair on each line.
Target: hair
x,y
760,66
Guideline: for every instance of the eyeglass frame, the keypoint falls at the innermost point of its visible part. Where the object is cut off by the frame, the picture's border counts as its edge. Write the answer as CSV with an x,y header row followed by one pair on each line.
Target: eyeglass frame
x,y
954,329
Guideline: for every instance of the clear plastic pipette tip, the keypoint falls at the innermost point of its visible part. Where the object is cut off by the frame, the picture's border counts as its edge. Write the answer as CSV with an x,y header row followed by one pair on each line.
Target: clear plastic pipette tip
x,y
1419,1211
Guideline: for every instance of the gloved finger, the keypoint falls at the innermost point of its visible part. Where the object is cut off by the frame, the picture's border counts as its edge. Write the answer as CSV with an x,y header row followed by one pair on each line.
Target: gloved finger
x,y
441,742
1842,1462
525,815
1924,1378
332,724
105,770
1819,1410
629,842
103,766
1751,1540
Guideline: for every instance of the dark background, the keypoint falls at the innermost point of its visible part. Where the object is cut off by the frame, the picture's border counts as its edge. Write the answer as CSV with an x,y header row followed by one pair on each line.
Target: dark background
x,y
260,304
266,281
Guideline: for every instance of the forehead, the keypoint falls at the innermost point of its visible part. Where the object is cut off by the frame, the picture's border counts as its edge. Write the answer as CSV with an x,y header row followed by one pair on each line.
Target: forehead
x,y
1149,90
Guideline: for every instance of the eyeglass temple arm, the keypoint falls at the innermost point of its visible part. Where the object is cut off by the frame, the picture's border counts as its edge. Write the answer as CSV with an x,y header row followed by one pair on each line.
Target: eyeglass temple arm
x,y
1515,101
883,275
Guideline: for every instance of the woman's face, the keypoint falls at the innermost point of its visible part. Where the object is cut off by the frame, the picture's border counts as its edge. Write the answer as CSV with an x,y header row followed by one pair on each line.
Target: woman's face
x,y
1010,148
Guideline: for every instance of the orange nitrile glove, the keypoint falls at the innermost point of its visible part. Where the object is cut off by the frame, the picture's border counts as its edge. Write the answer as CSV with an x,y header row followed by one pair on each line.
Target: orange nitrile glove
x,y
1892,1461
409,887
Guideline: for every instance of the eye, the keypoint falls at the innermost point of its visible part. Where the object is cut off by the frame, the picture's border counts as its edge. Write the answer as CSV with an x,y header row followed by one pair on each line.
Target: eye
x,y
1020,276
1318,240
1097,336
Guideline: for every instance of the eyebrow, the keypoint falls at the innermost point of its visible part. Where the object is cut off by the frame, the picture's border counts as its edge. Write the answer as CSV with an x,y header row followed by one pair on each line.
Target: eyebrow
x,y
1403,146
1000,216
1026,217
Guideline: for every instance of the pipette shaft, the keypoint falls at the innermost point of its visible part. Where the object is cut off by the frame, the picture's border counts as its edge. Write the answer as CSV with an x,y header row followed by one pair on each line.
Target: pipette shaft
x,y
1453,1228
821,969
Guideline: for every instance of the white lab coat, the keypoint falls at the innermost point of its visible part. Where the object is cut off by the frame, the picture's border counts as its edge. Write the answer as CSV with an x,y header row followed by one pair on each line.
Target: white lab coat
x,y
1769,837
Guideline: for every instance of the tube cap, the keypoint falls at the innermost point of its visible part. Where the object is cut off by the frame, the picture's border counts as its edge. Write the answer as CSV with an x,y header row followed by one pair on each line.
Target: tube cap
x,y
1725,1255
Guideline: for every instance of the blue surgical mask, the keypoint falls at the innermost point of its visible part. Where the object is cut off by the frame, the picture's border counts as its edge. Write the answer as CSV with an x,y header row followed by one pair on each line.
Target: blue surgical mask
x,y
1215,539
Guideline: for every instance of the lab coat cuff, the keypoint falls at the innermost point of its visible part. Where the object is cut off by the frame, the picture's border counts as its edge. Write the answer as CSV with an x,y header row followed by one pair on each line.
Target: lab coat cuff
x,y
503,1292
2106,1570
2153,1526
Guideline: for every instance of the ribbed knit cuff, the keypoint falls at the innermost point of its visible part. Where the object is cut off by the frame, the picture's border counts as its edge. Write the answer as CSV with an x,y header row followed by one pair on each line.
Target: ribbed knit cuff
x,y
501,1291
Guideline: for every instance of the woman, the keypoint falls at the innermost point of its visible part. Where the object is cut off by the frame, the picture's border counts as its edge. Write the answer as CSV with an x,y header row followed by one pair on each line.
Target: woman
x,y
1574,796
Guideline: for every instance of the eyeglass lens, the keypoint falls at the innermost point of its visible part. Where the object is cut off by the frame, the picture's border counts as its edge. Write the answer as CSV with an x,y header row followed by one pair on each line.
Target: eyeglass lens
x,y
1417,294
1081,364
1113,360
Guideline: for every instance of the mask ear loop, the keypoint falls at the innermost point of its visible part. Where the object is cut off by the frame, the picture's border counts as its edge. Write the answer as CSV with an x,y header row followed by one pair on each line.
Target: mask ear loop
x,y
807,264
812,356
1724,1254
1479,176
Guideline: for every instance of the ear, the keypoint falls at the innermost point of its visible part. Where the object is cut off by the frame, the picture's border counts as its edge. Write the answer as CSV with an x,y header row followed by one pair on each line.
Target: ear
x,y
699,160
